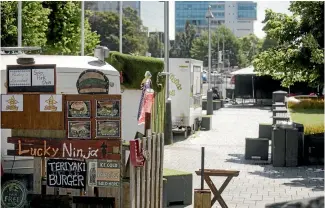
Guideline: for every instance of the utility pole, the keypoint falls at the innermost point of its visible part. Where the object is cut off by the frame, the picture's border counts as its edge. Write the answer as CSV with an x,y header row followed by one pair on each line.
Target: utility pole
x,y
168,110
121,25
19,24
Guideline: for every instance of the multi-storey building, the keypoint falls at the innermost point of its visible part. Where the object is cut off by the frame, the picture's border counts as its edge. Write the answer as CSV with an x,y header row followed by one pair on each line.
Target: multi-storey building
x,y
112,6
238,16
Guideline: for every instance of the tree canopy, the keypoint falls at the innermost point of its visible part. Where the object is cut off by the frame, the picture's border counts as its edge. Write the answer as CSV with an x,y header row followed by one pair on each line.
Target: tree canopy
x,y
222,34
134,34
53,25
156,47
299,54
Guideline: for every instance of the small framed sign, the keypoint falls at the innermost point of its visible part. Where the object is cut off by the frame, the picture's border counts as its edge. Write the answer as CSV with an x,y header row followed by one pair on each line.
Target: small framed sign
x,y
108,128
35,78
104,173
79,129
108,108
78,109
66,173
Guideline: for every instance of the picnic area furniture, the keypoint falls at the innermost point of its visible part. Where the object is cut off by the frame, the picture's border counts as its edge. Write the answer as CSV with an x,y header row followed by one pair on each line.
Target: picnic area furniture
x,y
217,193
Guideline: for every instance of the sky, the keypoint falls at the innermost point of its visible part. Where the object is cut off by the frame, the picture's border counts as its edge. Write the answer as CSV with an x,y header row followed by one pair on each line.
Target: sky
x,y
152,15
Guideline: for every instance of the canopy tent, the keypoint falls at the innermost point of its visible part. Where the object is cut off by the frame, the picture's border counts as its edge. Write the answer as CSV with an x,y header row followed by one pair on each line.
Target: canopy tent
x,y
245,71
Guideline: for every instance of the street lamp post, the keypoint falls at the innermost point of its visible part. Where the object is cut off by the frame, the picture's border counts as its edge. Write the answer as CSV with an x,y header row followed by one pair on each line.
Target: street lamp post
x,y
209,16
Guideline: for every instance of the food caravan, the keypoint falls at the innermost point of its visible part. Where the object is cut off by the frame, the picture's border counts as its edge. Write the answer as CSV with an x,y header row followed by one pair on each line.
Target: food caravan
x,y
185,91
68,69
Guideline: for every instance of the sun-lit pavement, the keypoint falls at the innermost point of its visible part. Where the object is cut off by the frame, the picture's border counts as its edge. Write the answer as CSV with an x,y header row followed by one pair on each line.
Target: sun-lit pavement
x,y
257,184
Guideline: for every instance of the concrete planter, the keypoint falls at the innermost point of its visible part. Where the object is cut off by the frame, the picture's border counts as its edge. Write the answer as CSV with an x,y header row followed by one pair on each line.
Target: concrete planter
x,y
265,131
257,147
204,104
206,123
178,187
217,104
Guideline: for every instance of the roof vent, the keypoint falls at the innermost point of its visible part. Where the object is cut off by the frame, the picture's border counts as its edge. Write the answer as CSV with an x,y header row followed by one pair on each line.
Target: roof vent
x,y
101,52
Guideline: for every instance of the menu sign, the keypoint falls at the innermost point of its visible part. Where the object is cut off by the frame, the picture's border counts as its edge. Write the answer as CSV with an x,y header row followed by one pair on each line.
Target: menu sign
x,y
31,78
104,173
66,173
20,78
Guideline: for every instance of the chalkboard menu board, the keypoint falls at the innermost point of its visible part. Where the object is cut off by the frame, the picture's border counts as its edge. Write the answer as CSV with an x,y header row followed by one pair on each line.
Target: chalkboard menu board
x,y
31,78
66,173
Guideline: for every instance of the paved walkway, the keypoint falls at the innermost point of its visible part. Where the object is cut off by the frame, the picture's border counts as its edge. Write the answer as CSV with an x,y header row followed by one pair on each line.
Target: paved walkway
x,y
257,184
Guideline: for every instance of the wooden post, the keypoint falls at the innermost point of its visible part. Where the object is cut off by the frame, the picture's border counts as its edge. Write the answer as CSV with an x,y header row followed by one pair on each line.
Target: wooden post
x,y
202,198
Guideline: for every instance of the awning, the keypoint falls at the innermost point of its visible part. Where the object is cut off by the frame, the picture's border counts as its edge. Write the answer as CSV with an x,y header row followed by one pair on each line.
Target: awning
x,y
245,71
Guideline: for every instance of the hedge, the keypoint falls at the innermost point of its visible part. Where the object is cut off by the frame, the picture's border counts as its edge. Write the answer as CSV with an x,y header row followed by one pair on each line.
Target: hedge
x,y
133,69
307,104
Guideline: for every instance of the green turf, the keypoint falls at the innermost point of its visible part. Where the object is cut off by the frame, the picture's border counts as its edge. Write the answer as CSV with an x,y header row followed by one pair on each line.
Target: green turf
x,y
308,117
170,172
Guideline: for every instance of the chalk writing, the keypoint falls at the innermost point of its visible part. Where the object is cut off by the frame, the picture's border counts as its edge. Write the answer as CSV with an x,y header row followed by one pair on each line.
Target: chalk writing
x,y
66,173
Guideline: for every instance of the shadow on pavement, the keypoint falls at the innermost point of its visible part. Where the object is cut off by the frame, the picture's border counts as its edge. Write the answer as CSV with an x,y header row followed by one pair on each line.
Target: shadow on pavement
x,y
309,176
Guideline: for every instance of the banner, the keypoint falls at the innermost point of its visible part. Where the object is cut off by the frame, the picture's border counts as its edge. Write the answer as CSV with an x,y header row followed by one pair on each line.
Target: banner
x,y
66,173
146,105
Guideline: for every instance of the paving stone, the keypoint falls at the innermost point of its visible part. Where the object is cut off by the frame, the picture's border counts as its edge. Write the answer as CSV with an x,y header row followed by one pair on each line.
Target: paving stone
x,y
224,149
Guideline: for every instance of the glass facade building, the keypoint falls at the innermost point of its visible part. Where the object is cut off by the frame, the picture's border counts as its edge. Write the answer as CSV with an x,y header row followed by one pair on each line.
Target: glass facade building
x,y
234,14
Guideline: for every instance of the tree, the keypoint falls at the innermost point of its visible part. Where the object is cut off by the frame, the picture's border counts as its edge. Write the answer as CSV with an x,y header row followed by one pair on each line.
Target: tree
x,y
250,45
134,35
222,34
299,55
64,30
156,47
34,23
268,43
184,42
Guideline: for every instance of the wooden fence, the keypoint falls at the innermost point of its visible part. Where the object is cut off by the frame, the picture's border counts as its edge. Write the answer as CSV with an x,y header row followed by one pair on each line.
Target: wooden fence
x,y
146,183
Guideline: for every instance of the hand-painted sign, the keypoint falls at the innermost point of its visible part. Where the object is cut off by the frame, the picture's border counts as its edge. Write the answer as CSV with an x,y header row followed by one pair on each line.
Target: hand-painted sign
x,y
13,194
31,78
104,173
66,173
61,148
12,102
50,103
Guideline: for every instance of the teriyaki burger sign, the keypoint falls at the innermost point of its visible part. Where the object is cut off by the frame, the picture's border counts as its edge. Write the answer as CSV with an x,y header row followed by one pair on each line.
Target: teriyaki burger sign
x,y
13,194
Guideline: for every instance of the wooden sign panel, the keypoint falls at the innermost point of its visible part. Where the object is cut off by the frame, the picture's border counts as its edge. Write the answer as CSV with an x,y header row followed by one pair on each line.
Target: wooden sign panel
x,y
66,173
104,173
62,148
31,78
93,116
32,112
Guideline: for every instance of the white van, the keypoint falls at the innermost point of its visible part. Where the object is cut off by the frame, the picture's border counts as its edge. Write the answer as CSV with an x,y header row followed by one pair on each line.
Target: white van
x,y
68,69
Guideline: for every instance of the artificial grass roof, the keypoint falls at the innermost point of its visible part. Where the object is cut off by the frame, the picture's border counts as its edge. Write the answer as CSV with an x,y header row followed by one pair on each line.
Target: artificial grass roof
x,y
133,69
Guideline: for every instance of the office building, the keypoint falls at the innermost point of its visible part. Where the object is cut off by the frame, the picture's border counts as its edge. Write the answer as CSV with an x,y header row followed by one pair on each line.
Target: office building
x,y
113,6
238,16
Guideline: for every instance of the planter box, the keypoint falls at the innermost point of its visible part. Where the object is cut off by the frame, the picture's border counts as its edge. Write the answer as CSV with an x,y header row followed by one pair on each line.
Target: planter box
x,y
204,104
178,187
217,104
257,147
206,123
265,131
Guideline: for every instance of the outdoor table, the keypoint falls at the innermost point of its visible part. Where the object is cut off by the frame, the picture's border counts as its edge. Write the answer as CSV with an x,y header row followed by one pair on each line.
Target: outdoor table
x,y
217,193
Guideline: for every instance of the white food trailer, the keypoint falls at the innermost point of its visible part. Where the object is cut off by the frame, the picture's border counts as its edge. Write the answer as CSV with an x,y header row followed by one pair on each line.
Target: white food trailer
x,y
185,90
68,69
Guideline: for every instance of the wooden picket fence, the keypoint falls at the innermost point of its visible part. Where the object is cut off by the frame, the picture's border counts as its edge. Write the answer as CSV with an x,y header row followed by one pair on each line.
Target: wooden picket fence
x,y
146,183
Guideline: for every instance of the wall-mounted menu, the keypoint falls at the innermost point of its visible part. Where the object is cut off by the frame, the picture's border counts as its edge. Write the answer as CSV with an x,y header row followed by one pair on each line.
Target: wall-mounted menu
x,y
31,78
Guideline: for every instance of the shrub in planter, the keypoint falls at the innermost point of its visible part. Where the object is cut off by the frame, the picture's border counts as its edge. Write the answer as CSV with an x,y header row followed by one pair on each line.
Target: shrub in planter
x,y
307,104
312,130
